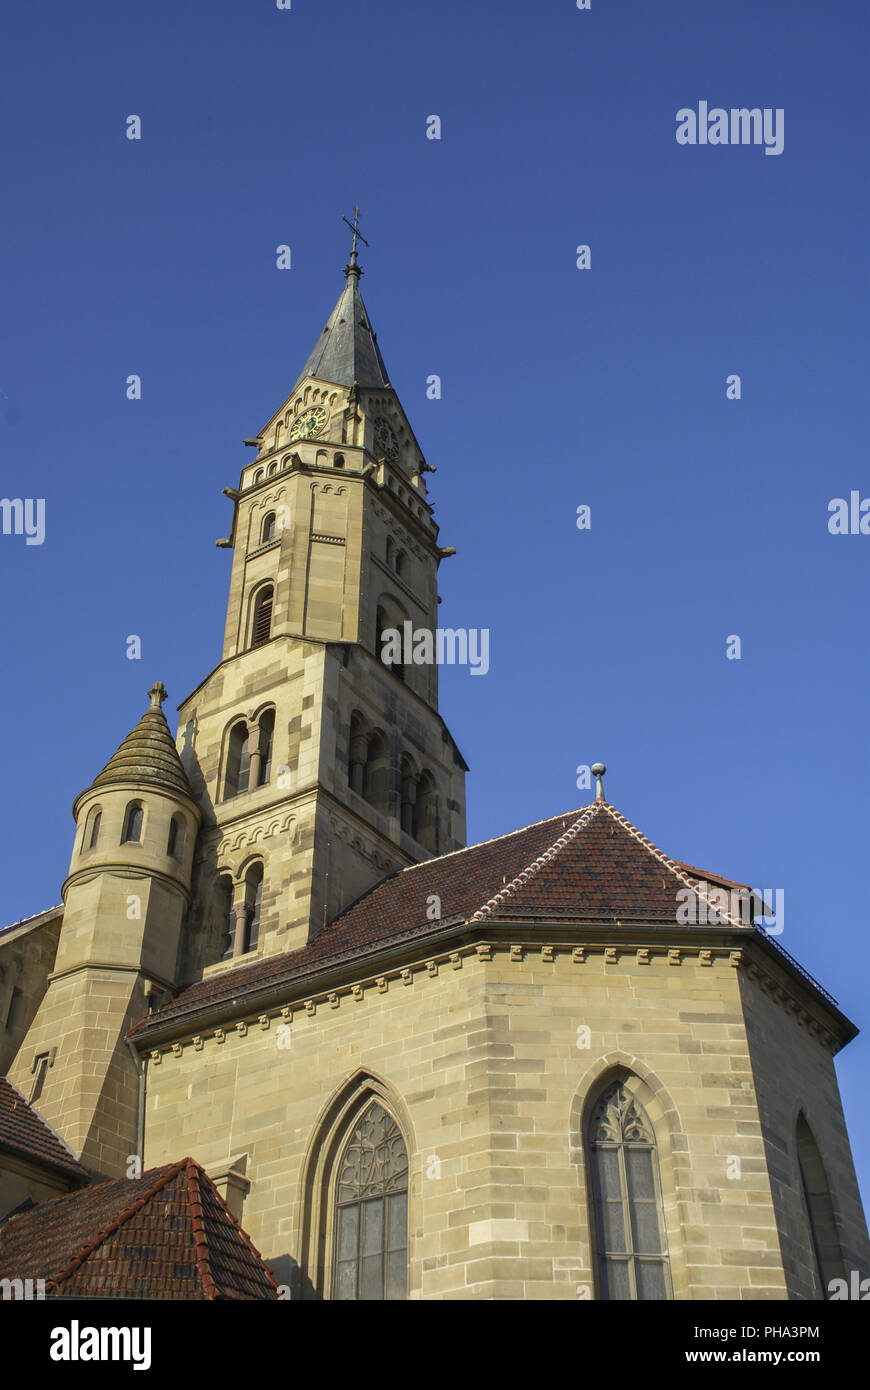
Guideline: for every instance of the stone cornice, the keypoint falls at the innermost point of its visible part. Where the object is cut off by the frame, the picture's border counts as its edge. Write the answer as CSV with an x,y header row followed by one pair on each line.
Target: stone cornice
x,y
350,983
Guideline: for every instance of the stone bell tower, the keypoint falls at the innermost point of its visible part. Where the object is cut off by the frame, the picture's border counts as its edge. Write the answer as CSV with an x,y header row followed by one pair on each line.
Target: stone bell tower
x,y
320,769
125,901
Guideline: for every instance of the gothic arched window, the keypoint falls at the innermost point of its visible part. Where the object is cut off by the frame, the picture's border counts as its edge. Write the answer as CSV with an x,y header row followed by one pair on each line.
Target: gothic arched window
x,y
238,761
261,624
371,1210
630,1240
268,531
820,1209
133,824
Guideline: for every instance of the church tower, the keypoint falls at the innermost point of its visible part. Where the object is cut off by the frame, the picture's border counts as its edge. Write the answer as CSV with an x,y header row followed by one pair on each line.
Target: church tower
x,y
125,900
320,769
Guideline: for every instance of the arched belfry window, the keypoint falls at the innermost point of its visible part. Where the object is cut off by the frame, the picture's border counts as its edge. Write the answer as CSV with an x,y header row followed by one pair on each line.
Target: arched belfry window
x,y
371,1210
629,1226
820,1209
268,531
238,765
261,624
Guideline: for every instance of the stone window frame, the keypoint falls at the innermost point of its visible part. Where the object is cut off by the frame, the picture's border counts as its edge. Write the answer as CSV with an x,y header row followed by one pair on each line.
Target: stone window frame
x,y
672,1146
319,1174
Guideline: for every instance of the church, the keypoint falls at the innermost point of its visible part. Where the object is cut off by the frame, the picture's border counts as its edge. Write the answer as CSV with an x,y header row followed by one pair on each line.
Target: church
x,y
410,1068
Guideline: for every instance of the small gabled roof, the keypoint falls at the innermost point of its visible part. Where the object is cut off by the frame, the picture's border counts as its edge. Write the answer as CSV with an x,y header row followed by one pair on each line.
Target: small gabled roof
x,y
148,755
590,865
166,1234
347,350
25,1134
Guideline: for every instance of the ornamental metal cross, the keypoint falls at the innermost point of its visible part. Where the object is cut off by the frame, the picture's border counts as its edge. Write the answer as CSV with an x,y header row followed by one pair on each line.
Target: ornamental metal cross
x,y
354,226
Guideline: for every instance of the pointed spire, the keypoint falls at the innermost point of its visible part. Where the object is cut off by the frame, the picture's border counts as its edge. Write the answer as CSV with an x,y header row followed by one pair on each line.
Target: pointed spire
x,y
347,349
148,754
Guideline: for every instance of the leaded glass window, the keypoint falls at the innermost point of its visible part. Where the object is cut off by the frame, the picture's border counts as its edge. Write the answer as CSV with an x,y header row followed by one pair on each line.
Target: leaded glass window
x,y
371,1214
629,1219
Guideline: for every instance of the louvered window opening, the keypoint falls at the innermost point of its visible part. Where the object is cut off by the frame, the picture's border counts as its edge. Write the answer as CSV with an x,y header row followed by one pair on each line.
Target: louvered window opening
x,y
262,620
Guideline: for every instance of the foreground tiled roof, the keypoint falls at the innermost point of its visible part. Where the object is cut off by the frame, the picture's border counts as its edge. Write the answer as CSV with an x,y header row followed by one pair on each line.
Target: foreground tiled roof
x,y
587,866
167,1234
24,1133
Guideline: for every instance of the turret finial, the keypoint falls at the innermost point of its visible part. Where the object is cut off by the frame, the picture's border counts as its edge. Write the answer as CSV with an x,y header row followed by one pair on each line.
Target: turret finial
x,y
353,268
599,769
158,693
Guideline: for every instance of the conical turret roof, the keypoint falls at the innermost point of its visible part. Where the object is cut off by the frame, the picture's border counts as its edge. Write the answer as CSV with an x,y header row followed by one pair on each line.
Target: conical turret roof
x,y
148,754
347,350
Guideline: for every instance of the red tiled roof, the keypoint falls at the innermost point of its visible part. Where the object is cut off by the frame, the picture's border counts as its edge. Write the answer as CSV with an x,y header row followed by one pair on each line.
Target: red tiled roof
x,y
24,1132
166,1234
590,865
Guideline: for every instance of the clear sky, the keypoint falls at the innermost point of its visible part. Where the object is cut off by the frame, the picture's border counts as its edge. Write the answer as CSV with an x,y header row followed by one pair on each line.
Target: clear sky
x,y
561,387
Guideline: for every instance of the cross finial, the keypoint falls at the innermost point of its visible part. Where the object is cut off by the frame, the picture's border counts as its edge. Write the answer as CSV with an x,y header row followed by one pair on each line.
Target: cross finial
x,y
353,268
158,694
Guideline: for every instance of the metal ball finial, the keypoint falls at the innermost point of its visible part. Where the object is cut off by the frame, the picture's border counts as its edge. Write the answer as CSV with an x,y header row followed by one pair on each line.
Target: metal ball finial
x,y
599,770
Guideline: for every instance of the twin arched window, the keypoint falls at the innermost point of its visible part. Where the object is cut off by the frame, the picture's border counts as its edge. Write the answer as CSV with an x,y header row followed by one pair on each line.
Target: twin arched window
x,y
370,773
249,754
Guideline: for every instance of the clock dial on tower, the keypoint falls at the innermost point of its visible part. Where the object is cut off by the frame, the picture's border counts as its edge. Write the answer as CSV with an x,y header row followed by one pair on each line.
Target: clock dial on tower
x,y
385,440
309,423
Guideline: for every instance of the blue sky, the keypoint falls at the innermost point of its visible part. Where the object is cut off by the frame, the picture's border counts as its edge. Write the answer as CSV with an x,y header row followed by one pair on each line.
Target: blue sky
x,y
560,387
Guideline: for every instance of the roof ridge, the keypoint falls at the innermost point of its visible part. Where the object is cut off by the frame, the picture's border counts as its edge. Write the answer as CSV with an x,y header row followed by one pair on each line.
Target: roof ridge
x,y
239,1227
671,864
113,1226
478,844
537,864
200,1240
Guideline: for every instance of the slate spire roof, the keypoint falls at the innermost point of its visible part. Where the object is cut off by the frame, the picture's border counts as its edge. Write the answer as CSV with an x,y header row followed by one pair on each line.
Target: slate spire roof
x,y
148,754
25,1134
347,350
166,1234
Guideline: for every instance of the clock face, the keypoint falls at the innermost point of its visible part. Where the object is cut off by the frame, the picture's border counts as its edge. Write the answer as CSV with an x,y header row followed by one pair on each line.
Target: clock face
x,y
385,440
309,423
